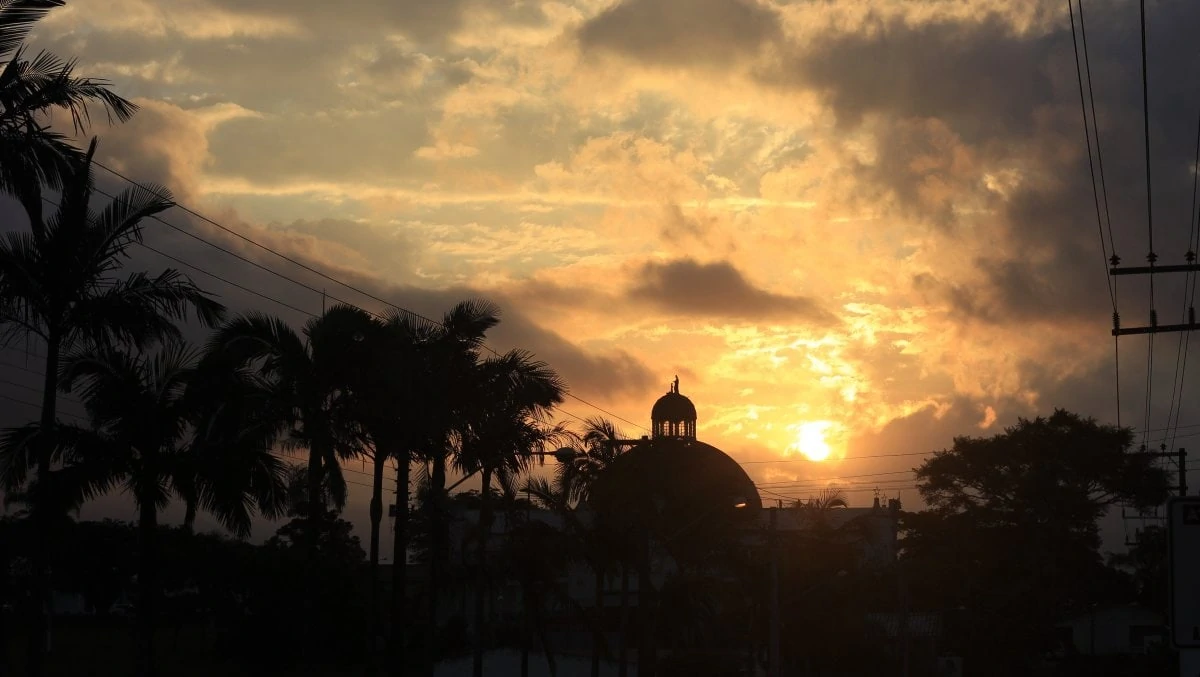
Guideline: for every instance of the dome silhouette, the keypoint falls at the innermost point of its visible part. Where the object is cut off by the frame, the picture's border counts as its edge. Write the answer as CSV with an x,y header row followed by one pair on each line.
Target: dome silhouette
x,y
674,415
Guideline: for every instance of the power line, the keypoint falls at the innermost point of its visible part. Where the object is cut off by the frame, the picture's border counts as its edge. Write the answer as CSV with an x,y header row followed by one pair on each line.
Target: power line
x,y
270,250
848,458
1177,381
226,281
297,282
39,407
234,254
1151,257
1109,281
1087,136
841,477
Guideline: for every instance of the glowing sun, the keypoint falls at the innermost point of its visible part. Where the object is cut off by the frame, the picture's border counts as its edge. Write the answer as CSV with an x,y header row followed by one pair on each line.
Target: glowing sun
x,y
810,440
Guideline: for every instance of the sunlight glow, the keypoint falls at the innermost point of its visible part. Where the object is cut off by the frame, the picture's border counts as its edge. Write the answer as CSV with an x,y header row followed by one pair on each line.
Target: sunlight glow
x,y
810,440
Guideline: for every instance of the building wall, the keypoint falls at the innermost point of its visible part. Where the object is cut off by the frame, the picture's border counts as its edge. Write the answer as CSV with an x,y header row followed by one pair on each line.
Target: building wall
x,y
1117,631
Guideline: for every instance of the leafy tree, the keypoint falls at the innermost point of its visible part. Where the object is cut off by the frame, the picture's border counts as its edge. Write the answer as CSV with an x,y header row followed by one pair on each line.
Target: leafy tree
x,y
1011,533
1146,560
31,90
333,610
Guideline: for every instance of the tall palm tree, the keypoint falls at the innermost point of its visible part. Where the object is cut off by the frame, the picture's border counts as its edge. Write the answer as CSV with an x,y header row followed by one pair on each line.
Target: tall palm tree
x,y
602,544
405,396
58,282
155,436
308,372
507,423
31,90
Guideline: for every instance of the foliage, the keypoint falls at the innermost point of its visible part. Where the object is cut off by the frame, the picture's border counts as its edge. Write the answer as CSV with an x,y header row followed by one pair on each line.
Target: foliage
x,y
1011,537
32,88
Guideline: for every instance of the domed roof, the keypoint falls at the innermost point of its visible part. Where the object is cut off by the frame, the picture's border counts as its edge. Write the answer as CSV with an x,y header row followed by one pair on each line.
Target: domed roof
x,y
673,406
684,479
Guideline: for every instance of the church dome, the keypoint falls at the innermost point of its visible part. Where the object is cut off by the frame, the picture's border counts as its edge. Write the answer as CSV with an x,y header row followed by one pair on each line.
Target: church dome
x,y
674,415
673,407
676,485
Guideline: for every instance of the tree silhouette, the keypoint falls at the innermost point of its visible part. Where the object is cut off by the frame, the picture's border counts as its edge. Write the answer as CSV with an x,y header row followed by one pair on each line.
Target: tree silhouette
x,y
31,90
1011,536
404,396
308,374
57,283
141,440
509,421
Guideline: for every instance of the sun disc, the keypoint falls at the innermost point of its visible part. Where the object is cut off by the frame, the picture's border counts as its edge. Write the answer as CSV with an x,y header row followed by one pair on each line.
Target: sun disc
x,y
810,440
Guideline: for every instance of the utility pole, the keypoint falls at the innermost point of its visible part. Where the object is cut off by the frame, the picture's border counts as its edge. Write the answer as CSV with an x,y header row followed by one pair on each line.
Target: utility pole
x,y
774,666
1182,463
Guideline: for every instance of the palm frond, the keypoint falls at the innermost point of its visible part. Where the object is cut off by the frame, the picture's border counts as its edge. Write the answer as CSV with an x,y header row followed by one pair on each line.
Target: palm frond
x,y
17,18
141,309
119,223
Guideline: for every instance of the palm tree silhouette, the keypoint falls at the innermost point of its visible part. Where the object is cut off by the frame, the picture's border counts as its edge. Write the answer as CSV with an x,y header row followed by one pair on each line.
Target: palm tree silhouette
x,y
309,375
506,423
31,89
144,414
57,283
597,544
404,396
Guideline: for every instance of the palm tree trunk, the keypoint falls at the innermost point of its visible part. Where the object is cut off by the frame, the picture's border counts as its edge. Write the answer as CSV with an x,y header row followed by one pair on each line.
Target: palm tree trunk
x,y
399,617
376,620
316,513
147,587
623,651
540,624
189,516
485,527
647,651
598,620
526,632
437,555
316,506
39,631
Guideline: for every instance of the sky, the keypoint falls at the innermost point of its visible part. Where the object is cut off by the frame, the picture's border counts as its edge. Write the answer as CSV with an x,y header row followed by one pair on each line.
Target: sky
x,y
866,224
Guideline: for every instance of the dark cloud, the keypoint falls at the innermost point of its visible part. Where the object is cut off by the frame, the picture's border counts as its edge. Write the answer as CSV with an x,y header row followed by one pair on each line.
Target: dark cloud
x,y
955,104
682,32
689,287
977,74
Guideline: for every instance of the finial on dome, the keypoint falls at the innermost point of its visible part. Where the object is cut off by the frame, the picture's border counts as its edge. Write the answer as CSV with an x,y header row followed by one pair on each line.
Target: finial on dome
x,y
675,386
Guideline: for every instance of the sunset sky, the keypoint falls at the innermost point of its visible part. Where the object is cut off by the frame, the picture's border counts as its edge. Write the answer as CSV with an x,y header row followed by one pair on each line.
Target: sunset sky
x,y
863,222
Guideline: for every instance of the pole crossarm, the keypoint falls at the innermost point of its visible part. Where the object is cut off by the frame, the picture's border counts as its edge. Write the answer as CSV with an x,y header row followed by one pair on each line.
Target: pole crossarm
x,y
1154,270
1156,329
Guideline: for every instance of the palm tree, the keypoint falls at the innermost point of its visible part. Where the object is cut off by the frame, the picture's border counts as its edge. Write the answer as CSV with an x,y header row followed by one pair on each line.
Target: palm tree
x,y
58,283
404,389
310,376
506,424
31,89
150,436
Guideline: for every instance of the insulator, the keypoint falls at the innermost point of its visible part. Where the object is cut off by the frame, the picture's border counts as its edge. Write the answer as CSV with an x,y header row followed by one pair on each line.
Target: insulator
x,y
1190,256
1116,321
1114,259
1162,447
1154,318
1151,258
